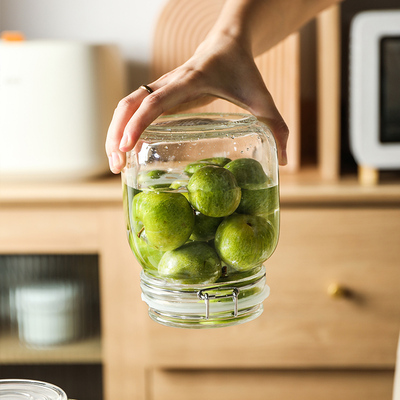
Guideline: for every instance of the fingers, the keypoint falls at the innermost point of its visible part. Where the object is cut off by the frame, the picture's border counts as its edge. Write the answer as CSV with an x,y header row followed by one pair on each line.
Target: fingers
x,y
122,114
150,109
137,111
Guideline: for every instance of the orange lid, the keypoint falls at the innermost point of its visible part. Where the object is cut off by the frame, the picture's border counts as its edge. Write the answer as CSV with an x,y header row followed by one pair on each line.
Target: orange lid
x,y
12,36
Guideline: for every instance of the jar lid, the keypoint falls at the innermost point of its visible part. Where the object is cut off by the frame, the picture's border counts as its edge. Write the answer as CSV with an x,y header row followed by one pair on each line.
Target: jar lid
x,y
21,389
193,305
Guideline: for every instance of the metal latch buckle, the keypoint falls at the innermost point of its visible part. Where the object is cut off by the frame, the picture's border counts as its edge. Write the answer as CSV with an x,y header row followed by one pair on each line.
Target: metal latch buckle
x,y
203,295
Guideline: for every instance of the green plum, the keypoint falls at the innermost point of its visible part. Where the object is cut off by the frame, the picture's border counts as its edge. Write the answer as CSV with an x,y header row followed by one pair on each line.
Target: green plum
x,y
167,218
259,201
156,186
148,256
214,191
179,184
150,179
204,227
218,161
128,193
259,197
193,167
244,241
248,172
153,174
192,263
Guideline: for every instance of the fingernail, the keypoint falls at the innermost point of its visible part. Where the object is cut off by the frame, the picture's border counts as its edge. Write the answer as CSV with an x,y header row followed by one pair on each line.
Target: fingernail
x,y
124,142
110,162
116,161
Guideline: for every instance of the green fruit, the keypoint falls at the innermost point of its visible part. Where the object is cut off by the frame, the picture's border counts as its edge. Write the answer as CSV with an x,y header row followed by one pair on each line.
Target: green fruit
x,y
258,198
193,167
166,217
149,179
214,191
192,263
159,186
244,241
259,201
248,172
220,161
204,227
153,174
178,184
128,193
148,256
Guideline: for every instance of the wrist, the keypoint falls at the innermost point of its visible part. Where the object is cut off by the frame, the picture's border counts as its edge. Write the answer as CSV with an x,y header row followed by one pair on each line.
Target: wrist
x,y
230,36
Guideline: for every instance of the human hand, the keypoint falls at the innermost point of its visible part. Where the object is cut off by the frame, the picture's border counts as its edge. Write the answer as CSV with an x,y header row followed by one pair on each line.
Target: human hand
x,y
220,68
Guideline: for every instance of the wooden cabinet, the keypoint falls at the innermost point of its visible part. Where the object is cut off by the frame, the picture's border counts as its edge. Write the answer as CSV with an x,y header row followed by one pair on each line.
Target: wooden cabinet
x,y
81,218
271,384
303,325
329,328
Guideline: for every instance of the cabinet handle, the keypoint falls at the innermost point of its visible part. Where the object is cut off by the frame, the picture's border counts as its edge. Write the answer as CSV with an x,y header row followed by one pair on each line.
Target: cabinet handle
x,y
337,291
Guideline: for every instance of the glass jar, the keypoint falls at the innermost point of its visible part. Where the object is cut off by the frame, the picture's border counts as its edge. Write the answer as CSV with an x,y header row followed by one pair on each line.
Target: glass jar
x,y
23,389
201,201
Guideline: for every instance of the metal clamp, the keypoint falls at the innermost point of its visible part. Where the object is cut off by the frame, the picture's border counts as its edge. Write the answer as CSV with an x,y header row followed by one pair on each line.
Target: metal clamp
x,y
203,295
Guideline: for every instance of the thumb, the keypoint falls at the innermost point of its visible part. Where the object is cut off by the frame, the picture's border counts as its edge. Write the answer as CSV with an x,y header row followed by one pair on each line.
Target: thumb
x,y
258,100
281,134
263,107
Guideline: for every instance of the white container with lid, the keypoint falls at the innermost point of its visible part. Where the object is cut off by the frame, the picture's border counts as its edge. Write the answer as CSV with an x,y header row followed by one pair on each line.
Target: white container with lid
x,y
49,314
56,101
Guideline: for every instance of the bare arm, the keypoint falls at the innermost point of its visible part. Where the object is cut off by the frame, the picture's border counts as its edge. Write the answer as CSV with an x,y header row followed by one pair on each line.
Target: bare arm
x,y
222,66
261,24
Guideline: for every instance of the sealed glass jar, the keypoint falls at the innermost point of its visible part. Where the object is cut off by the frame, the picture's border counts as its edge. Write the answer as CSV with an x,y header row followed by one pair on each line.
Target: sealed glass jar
x,y
201,201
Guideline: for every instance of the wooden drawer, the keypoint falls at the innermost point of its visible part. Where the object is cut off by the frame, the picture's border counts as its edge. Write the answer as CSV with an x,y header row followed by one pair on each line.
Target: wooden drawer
x,y
271,385
302,325
48,229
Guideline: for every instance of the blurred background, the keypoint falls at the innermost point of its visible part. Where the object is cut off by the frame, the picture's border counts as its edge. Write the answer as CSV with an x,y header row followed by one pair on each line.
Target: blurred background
x,y
70,307
129,24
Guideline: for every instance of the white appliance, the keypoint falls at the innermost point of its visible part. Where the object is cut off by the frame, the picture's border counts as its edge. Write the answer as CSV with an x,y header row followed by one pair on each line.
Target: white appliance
x,y
375,89
56,102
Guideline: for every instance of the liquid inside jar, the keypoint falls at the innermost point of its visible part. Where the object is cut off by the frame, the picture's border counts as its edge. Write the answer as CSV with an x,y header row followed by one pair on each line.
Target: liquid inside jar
x,y
202,208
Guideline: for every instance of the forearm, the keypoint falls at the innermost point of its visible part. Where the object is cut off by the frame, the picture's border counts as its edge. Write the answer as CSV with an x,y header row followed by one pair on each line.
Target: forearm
x,y
261,24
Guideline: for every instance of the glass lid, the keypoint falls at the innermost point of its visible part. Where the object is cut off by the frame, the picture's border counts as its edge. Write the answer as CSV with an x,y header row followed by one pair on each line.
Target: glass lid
x,y
21,389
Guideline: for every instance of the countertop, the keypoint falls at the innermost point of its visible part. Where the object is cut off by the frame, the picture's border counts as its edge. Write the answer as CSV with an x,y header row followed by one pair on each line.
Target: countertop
x,y
295,189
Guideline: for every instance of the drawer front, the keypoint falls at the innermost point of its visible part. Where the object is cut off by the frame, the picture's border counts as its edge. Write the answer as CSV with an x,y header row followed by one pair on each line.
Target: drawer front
x,y
272,385
302,325
47,230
